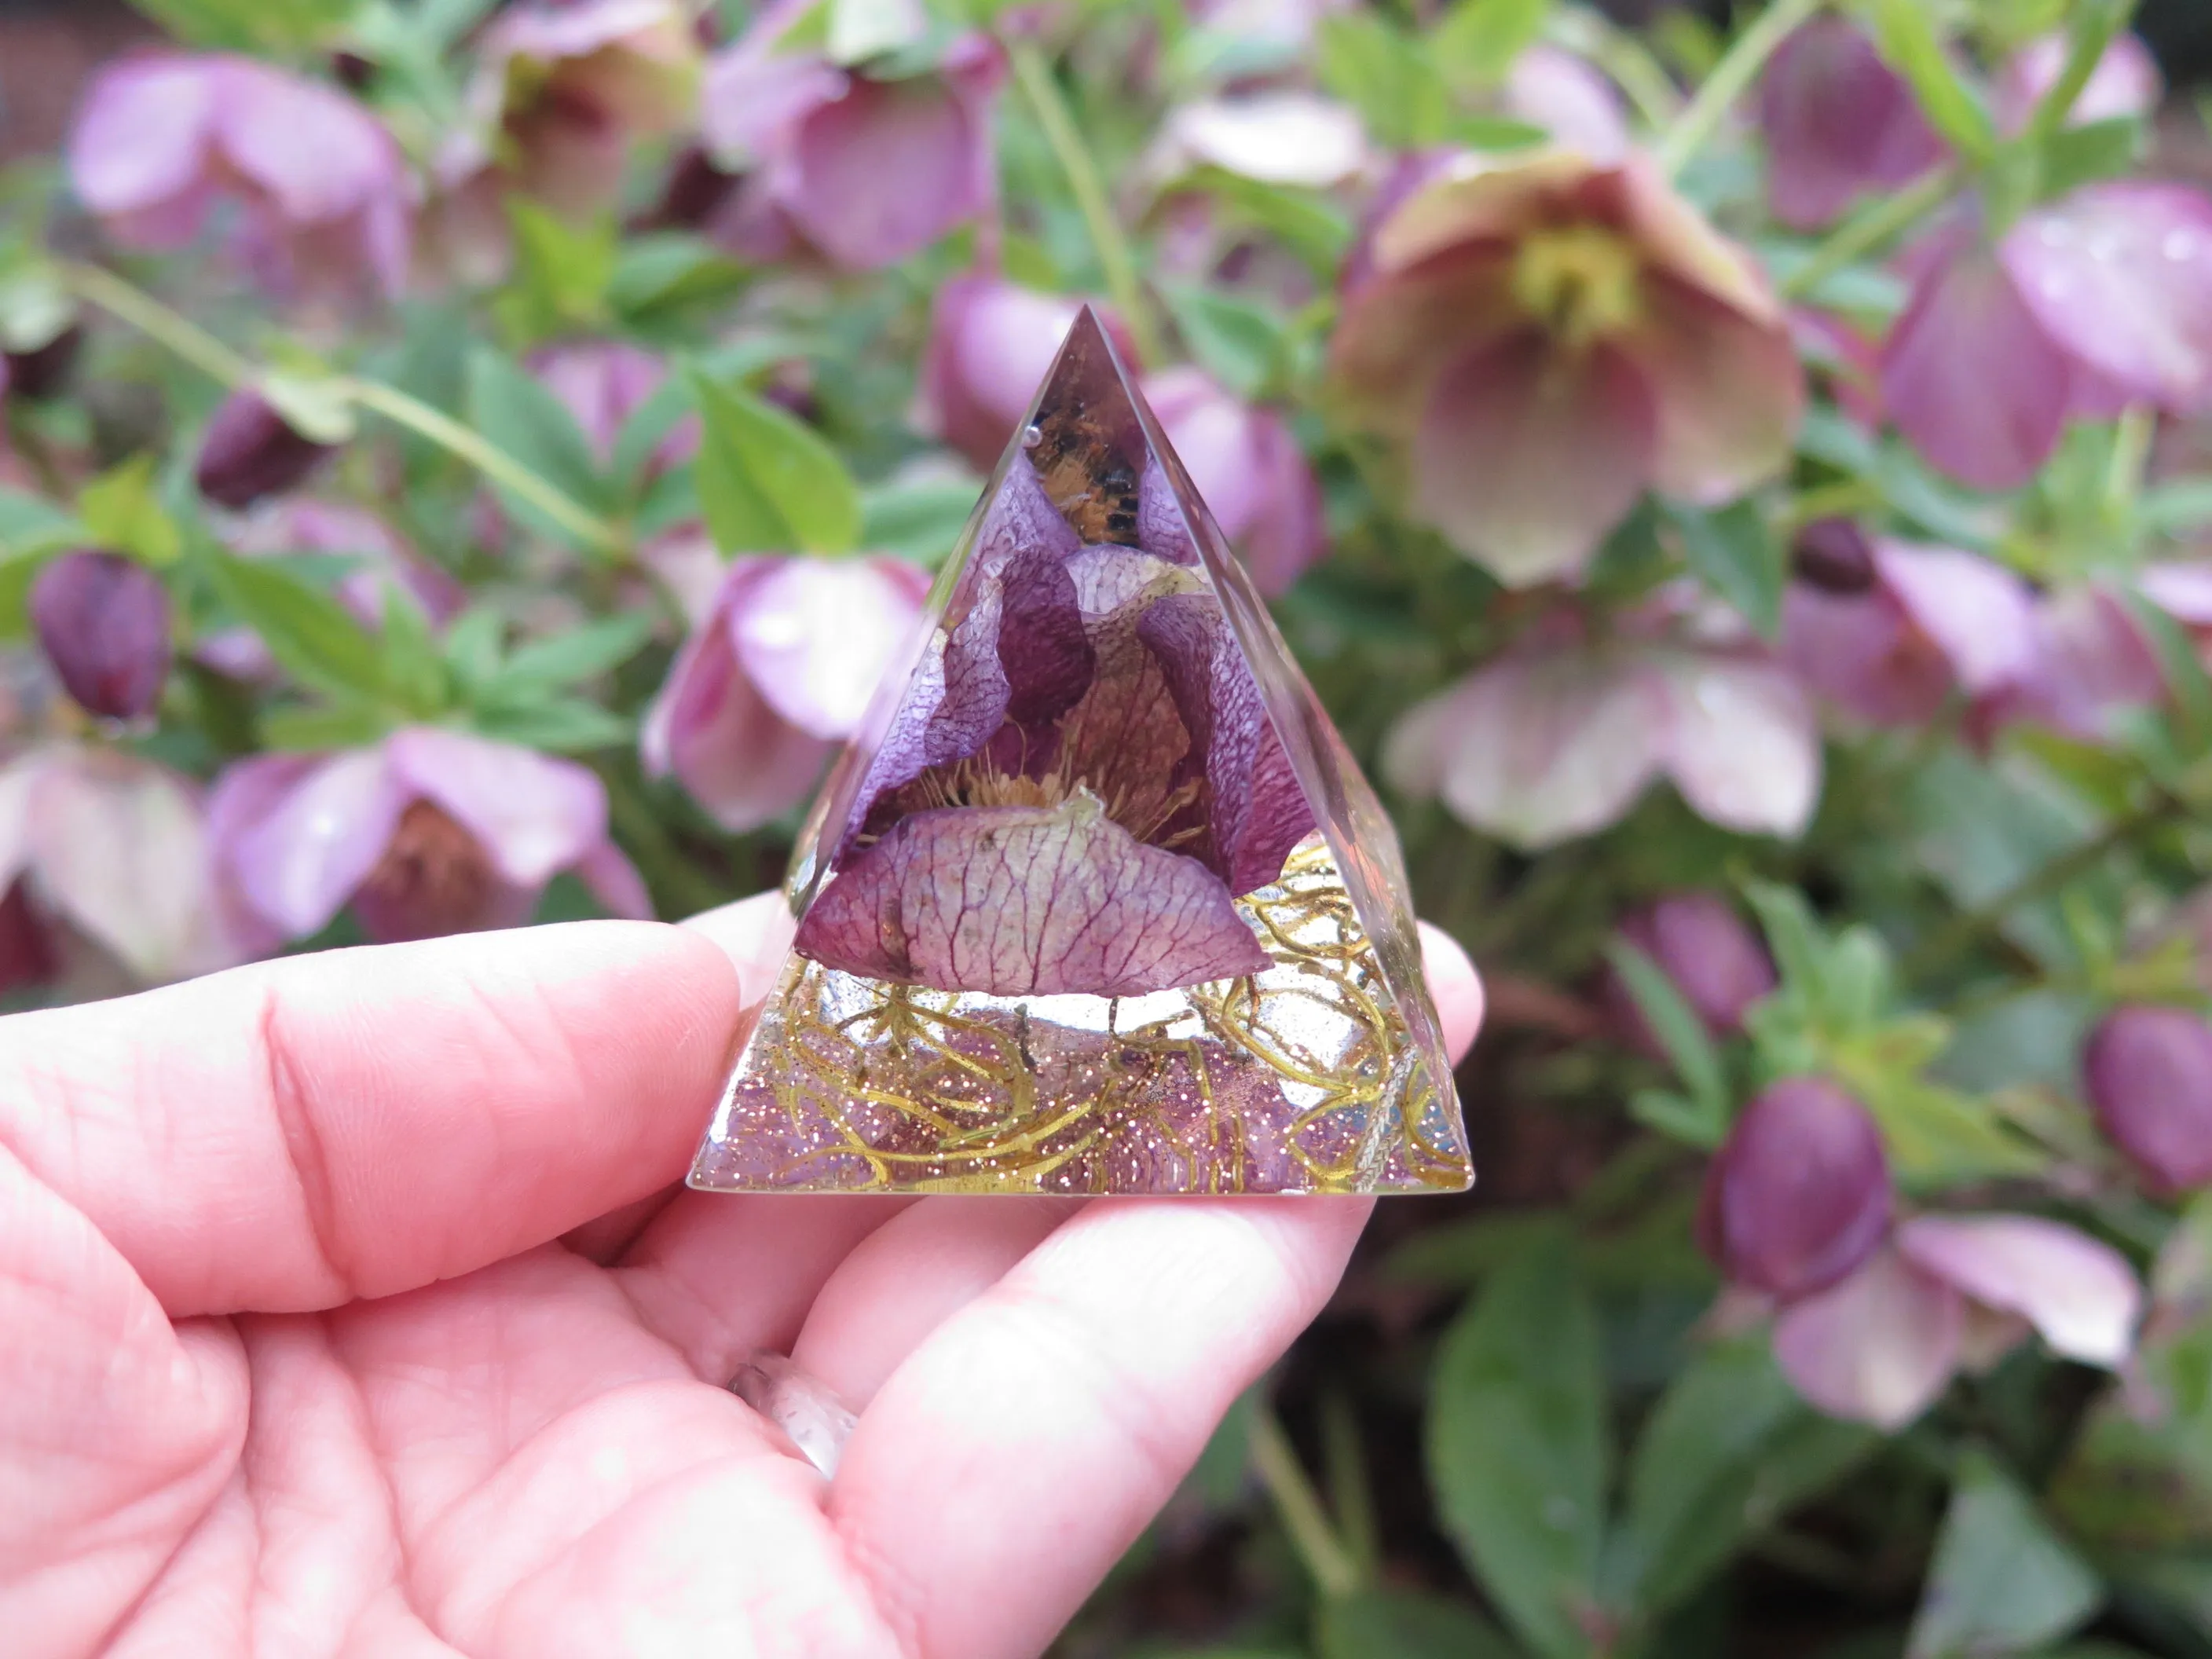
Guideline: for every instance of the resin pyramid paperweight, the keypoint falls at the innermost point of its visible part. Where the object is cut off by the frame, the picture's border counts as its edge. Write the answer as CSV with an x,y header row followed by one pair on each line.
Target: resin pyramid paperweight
x,y
1097,901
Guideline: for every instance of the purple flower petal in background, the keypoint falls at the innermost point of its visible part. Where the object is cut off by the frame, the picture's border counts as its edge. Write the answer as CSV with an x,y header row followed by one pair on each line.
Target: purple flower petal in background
x,y
2079,1295
2125,82
1016,901
602,383
990,342
1701,943
2149,1071
1880,1347
103,622
1745,748
303,523
1292,138
869,171
780,668
1839,125
1248,468
1569,100
2089,661
429,832
324,192
1798,1197
250,451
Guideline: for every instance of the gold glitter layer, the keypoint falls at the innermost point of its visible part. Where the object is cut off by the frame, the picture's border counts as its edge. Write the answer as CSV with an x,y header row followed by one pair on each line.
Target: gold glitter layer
x,y
1304,1078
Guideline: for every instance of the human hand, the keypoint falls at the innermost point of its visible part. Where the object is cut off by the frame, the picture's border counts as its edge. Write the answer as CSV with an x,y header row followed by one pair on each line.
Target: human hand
x,y
295,1358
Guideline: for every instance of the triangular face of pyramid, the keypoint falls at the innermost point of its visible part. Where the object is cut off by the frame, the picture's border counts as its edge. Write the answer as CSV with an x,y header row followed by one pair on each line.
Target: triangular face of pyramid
x,y
1097,901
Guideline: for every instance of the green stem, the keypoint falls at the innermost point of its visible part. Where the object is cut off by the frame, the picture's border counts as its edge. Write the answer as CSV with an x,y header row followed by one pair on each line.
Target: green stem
x,y
1034,76
2094,26
134,305
1730,79
1864,232
1334,1573
488,458
2124,472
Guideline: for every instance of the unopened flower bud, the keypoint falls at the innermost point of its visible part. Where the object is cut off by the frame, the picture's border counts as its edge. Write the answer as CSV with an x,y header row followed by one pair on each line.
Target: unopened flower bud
x,y
44,371
1799,1194
1834,555
1698,941
103,622
2150,1076
250,450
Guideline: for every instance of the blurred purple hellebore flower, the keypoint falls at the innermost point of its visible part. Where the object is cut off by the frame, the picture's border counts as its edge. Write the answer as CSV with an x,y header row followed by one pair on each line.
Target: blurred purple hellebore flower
x,y
323,195
2086,305
1934,621
1248,468
866,170
2149,1071
116,847
2125,82
1701,943
1557,737
428,832
602,383
1544,337
1798,1197
1952,1292
249,451
778,672
990,344
562,90
1839,125
103,622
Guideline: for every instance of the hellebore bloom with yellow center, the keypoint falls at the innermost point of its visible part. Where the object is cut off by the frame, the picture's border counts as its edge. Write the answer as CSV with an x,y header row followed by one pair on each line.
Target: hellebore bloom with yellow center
x,y
1542,339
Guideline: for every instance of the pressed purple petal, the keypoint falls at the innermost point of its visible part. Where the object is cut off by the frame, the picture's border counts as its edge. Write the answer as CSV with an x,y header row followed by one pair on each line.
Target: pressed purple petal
x,y
1012,900
2120,276
2150,1074
1878,1348
1536,749
1969,376
1799,1197
535,815
816,635
1839,123
2079,1293
1256,808
300,837
710,726
1527,456
1979,614
1745,747
140,138
887,168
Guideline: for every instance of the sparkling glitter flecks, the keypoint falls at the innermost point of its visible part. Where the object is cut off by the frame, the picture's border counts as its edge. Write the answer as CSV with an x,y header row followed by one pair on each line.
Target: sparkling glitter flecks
x,y
1097,902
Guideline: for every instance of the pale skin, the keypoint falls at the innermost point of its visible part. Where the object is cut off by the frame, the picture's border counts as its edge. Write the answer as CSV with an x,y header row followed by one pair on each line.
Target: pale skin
x,y
347,1308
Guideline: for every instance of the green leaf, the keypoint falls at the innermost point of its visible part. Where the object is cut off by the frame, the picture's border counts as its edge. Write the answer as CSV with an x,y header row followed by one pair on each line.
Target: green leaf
x,y
323,726
2002,1582
1730,1449
413,668
2182,668
1315,231
767,481
1904,30
120,510
279,28
31,524
1799,945
1478,39
473,639
1386,75
1236,341
562,272
583,653
1734,552
664,273
2183,504
521,415
1398,1623
1516,1446
1680,1031
2079,156
918,522
567,726
313,637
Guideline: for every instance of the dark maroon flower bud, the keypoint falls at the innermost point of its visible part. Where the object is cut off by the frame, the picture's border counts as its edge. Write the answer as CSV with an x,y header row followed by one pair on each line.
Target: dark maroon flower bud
x,y
2150,1076
351,70
696,191
250,451
103,622
43,372
1834,555
1698,941
29,954
1799,1194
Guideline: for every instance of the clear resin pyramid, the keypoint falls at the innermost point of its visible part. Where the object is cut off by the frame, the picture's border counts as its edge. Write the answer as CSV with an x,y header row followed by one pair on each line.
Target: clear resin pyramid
x,y
1097,901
